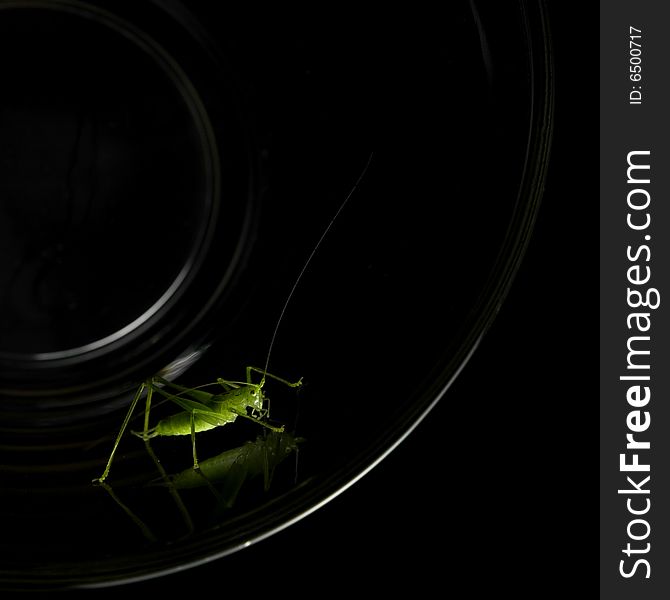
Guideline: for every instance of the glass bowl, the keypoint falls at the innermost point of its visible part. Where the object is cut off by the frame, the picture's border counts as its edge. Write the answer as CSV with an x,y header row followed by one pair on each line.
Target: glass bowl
x,y
168,171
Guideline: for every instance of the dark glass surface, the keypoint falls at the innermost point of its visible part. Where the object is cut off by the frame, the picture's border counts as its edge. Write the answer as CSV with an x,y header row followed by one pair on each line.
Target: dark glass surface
x,y
101,152
455,111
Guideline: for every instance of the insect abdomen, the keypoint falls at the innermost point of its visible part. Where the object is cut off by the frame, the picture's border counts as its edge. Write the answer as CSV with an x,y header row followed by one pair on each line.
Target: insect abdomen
x,y
180,424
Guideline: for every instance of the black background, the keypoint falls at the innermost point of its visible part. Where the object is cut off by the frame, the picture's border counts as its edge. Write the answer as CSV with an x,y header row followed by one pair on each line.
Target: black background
x,y
495,487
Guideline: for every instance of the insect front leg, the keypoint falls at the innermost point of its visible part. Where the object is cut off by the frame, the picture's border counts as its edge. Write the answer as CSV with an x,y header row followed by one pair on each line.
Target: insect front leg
x,y
266,374
263,423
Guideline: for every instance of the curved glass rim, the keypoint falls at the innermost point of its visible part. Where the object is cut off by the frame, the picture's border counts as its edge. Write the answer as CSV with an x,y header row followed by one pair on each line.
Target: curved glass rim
x,y
530,192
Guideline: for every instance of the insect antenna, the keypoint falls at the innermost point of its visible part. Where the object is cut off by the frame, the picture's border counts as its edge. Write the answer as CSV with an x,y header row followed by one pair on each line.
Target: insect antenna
x,y
309,260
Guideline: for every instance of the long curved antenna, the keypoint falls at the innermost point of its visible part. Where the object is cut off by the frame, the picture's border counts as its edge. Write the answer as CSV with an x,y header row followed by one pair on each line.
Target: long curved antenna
x,y
309,259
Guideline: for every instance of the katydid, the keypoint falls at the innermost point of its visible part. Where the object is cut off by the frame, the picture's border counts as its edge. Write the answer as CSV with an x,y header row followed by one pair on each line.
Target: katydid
x,y
203,410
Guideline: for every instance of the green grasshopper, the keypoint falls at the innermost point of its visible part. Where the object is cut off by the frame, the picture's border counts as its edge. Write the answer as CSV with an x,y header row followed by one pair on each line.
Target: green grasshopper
x,y
202,411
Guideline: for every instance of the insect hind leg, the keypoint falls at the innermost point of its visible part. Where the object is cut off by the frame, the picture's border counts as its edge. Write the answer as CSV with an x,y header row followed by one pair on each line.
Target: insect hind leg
x,y
129,414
